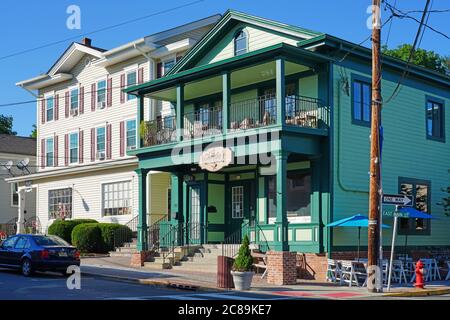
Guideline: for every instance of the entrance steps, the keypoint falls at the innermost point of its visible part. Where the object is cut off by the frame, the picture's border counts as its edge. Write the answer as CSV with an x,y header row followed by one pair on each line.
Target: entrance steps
x,y
126,250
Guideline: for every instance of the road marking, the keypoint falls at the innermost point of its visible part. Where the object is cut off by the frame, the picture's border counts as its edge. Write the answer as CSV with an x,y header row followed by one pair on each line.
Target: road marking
x,y
201,296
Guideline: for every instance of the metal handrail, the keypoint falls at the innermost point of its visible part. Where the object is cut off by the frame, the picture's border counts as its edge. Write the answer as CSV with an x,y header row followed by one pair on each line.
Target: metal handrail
x,y
234,238
266,243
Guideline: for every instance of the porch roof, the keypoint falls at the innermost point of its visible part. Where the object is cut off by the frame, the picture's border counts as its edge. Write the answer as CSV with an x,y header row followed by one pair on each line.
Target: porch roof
x,y
282,49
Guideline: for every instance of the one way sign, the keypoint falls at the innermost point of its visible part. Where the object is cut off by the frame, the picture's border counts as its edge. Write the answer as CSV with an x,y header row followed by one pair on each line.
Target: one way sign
x,y
398,200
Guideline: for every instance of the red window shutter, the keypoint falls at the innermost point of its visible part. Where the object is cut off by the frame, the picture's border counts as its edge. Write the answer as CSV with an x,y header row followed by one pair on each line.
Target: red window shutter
x,y
93,96
109,93
108,141
122,138
122,85
66,150
141,75
56,152
159,68
81,100
81,147
42,153
57,107
92,144
43,110
67,103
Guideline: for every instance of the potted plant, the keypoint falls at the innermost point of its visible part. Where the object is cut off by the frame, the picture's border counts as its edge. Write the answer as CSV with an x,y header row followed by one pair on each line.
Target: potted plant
x,y
241,270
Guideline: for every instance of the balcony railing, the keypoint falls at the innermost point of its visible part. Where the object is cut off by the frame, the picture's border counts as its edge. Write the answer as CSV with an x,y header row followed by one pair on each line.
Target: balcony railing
x,y
301,111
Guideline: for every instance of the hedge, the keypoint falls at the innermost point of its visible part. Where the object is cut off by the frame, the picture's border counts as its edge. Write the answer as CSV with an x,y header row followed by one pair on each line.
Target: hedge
x,y
87,237
63,228
114,235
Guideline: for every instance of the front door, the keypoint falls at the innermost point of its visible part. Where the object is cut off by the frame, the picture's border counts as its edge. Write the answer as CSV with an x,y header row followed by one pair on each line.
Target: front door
x,y
242,206
195,223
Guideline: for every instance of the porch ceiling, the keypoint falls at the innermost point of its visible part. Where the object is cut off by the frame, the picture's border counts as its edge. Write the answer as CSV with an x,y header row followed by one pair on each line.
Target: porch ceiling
x,y
239,78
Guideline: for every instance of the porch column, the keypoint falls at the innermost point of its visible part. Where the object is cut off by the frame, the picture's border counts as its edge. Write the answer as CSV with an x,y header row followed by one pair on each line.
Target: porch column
x,y
281,223
21,212
139,119
226,94
180,109
142,244
280,91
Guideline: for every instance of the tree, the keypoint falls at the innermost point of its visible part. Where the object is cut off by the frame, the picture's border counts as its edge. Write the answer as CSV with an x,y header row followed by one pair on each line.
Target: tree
x,y
421,57
34,132
6,124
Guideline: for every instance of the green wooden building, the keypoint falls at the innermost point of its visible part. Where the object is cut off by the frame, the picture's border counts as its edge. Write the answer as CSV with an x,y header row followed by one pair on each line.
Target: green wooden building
x,y
288,112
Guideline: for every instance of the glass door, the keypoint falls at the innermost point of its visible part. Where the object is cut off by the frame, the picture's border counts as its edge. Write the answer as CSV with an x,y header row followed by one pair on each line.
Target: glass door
x,y
194,227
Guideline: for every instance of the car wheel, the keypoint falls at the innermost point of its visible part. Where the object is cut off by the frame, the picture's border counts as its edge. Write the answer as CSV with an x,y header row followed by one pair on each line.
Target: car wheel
x,y
27,268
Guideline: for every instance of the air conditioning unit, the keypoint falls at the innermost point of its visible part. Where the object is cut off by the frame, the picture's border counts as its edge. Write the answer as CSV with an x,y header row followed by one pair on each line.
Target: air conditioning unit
x,y
101,155
74,112
131,148
101,105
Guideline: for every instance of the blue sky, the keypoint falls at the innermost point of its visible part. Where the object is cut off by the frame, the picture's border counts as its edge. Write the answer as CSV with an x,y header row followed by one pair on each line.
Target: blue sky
x,y
29,24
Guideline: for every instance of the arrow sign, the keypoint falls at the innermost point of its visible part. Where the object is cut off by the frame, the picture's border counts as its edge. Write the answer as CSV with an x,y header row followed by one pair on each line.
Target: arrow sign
x,y
398,200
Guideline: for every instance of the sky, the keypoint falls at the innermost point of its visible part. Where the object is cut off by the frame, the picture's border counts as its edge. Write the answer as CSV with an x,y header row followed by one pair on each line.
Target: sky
x,y
29,24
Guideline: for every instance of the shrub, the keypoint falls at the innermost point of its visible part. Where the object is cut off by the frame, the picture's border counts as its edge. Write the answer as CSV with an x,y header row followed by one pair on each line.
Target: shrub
x,y
244,260
63,228
114,235
87,237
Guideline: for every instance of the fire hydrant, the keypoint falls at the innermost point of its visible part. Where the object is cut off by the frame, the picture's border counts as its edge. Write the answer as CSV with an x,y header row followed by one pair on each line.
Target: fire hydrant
x,y
419,275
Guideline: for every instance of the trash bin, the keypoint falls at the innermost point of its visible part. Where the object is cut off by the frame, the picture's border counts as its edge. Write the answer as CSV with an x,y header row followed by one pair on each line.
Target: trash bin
x,y
224,277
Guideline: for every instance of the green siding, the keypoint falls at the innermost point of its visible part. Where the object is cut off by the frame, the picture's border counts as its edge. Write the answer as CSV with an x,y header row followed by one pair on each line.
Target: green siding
x,y
308,86
406,153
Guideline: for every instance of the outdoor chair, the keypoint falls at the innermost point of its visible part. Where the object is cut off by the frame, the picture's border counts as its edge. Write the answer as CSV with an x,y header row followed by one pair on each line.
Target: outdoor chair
x,y
398,271
333,271
352,271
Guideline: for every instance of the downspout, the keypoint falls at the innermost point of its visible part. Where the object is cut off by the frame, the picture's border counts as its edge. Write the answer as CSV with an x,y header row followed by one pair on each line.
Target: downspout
x,y
150,62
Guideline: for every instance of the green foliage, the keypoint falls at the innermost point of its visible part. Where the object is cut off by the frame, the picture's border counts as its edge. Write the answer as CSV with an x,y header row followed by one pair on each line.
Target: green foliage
x,y
63,228
34,132
446,202
114,234
87,237
244,260
6,124
422,57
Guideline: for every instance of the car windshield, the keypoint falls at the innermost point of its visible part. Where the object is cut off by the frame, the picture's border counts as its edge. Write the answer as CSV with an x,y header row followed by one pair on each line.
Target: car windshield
x,y
50,241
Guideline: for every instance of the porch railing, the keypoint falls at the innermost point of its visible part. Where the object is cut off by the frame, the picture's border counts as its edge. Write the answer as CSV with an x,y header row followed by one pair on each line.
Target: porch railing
x,y
231,244
160,131
200,123
253,113
306,112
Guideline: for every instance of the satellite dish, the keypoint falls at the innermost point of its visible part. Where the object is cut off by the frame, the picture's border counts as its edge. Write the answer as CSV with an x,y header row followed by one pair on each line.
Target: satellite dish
x,y
7,166
23,164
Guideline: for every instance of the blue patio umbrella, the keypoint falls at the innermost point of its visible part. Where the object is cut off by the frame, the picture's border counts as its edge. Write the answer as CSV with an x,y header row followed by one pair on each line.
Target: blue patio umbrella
x,y
358,220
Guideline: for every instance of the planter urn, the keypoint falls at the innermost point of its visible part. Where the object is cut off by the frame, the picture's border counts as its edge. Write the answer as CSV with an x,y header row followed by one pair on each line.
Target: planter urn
x,y
242,280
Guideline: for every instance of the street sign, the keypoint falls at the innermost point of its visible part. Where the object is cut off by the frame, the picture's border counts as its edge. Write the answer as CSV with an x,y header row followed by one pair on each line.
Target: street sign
x,y
396,214
398,200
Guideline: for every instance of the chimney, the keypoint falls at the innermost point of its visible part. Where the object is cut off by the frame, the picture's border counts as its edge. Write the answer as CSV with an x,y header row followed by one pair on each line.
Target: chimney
x,y
86,41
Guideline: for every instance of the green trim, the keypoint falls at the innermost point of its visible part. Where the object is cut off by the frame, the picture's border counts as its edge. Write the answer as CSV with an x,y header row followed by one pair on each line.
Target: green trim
x,y
441,102
363,80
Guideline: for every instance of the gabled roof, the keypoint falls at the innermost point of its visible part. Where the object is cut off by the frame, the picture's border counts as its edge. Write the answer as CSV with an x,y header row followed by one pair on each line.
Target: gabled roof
x,y
17,145
229,19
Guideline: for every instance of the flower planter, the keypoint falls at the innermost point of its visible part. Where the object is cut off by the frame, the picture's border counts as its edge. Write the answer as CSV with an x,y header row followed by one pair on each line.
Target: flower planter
x,y
242,280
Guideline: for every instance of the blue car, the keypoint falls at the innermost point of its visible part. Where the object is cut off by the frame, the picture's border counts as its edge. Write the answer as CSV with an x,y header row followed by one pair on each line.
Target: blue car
x,y
31,253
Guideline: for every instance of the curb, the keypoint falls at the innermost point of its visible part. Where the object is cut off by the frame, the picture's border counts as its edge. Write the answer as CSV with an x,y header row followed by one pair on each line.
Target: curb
x,y
421,293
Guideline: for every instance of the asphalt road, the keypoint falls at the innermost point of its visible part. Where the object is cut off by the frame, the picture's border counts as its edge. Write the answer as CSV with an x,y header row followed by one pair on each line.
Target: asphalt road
x,y
49,286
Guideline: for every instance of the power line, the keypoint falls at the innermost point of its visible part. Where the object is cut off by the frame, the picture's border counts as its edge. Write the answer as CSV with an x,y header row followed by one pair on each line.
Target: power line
x,y
100,30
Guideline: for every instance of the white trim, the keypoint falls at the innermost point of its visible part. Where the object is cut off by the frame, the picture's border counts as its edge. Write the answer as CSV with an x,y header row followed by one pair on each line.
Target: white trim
x,y
46,97
11,195
126,133
104,126
131,68
45,153
131,194
78,147
104,78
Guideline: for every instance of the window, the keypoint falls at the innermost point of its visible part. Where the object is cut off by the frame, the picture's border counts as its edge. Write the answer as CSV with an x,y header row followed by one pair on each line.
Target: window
x,y
361,102
131,134
240,43
49,152
22,243
298,196
131,81
74,99
116,198
435,119
101,141
73,147
9,243
101,92
420,191
237,202
60,203
50,113
167,65
14,194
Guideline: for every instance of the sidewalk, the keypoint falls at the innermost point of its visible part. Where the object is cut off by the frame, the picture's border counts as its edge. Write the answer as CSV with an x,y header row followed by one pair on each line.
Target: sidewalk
x,y
118,269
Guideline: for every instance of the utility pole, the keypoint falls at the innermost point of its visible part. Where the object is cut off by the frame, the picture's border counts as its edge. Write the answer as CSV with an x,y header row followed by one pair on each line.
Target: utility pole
x,y
374,192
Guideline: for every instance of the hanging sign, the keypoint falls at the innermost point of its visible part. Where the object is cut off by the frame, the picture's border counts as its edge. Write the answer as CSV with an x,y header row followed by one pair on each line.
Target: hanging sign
x,y
214,159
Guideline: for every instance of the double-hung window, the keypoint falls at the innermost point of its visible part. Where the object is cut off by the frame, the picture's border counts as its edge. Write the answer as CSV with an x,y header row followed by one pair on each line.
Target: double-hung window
x,y
131,134
14,194
50,109
435,119
74,96
49,152
240,43
101,142
131,81
167,65
101,93
73,147
60,203
117,197
361,102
